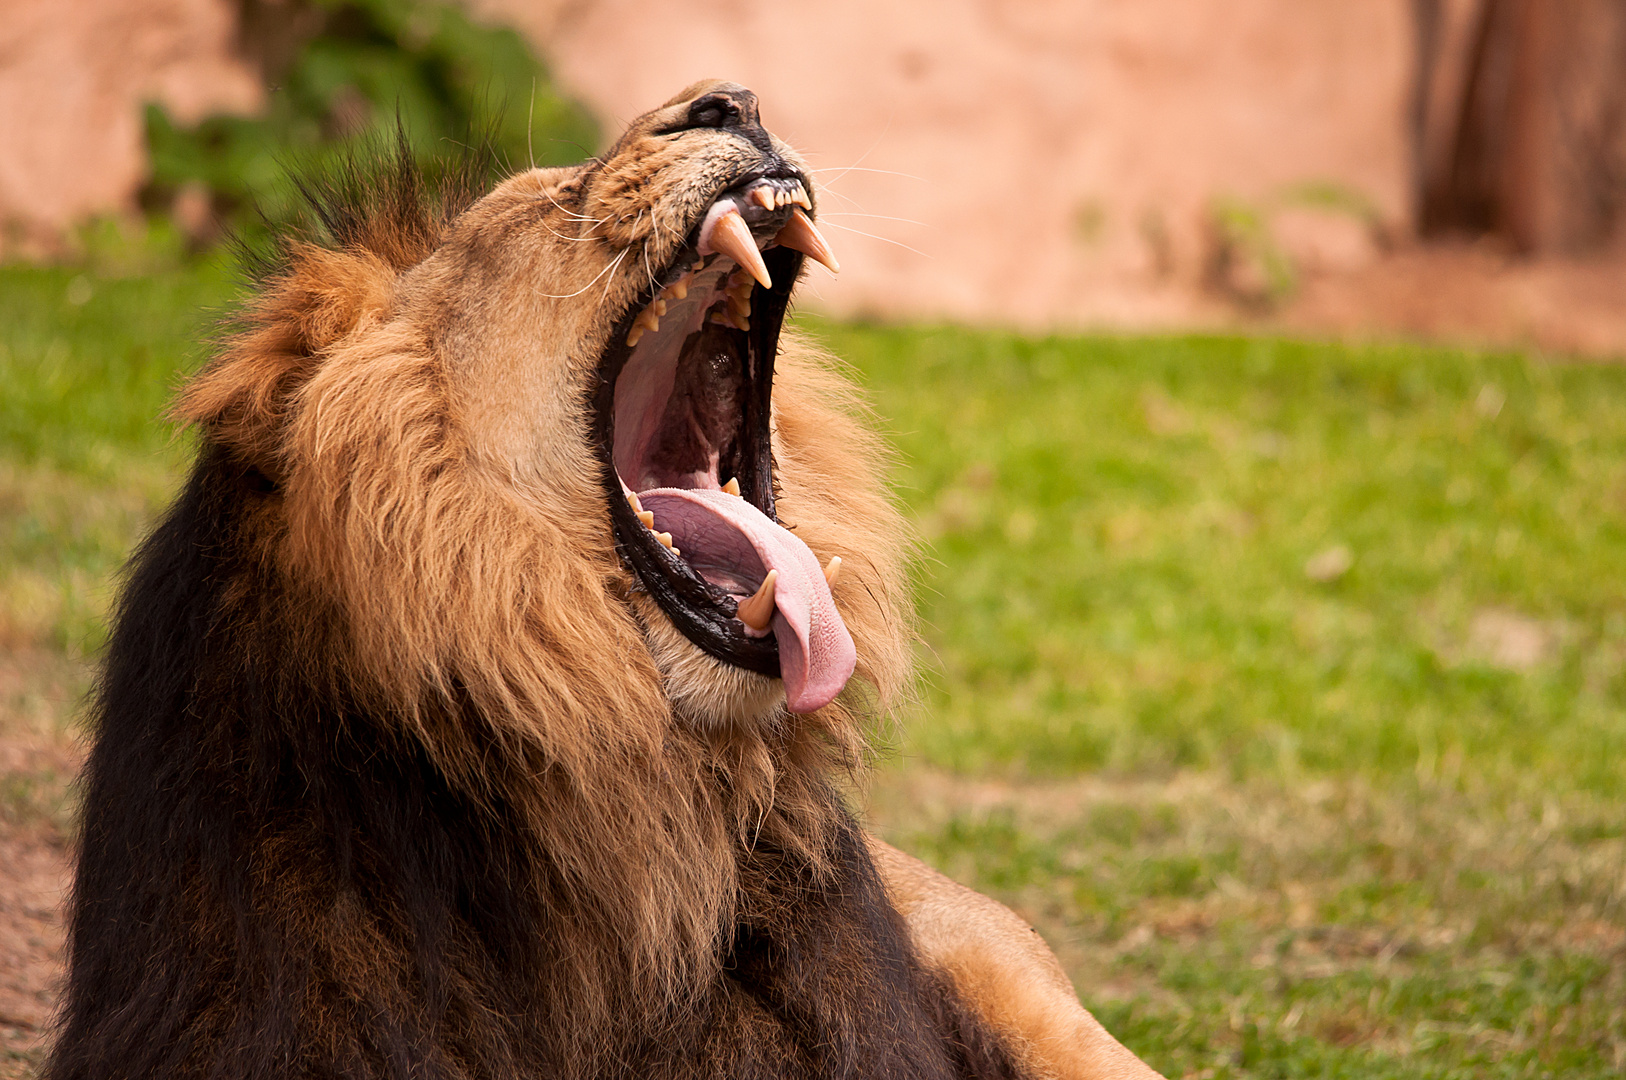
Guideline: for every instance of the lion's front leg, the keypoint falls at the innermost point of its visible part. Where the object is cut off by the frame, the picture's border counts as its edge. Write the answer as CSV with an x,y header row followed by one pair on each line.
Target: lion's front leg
x,y
1004,971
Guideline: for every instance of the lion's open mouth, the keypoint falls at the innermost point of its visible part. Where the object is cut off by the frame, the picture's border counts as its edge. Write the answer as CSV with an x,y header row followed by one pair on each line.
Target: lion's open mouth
x,y
683,425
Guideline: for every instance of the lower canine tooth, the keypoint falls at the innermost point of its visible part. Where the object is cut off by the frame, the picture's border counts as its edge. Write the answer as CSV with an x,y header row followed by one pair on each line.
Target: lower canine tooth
x,y
757,611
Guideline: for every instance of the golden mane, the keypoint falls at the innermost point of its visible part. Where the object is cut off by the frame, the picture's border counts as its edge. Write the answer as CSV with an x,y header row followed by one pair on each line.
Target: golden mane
x,y
451,591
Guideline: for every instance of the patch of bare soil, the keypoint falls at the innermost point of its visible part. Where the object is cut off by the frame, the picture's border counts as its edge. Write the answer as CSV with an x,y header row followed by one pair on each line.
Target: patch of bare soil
x,y
32,889
1471,294
39,755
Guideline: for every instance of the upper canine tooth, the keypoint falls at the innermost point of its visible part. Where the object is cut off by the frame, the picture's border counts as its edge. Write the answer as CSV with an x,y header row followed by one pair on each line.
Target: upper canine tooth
x,y
733,485
757,611
731,236
800,234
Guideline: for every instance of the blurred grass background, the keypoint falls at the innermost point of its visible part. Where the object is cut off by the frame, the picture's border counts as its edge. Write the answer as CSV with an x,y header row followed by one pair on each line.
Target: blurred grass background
x,y
1278,683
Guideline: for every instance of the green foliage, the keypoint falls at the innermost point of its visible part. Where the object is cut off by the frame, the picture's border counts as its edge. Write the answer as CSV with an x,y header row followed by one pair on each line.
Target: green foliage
x,y
368,65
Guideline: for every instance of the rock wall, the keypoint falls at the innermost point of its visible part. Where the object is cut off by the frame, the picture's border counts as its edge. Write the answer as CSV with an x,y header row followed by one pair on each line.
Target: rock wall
x,y
1036,162
74,75
1044,162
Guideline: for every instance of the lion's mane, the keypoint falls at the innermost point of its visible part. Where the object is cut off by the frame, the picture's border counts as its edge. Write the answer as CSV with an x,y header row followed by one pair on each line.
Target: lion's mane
x,y
385,781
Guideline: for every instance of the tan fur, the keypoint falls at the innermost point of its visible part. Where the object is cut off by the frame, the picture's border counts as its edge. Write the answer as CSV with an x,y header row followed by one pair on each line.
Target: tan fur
x,y
419,400
425,423
1005,971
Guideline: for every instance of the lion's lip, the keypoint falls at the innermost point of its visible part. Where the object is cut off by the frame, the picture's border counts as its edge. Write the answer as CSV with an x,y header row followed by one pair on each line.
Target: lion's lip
x,y
735,546
683,406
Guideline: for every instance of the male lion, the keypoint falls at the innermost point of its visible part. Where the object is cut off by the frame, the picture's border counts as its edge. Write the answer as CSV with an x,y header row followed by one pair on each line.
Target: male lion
x,y
473,712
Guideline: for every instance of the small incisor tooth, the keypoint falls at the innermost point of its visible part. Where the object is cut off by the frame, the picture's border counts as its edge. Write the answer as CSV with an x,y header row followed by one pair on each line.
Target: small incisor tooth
x,y
632,501
660,307
732,237
832,570
649,319
646,518
740,306
634,334
757,610
664,538
763,197
733,485
800,235
679,289
799,197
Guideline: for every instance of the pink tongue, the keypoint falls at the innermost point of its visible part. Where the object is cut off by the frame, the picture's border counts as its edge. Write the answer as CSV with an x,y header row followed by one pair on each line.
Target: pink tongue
x,y
729,541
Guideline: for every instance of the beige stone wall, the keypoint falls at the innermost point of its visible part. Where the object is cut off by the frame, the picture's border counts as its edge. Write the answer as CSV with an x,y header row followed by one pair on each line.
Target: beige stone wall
x,y
1037,162
1033,161
74,75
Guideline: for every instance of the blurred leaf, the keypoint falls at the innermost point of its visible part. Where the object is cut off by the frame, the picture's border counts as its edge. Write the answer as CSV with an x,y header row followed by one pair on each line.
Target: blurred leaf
x,y
369,65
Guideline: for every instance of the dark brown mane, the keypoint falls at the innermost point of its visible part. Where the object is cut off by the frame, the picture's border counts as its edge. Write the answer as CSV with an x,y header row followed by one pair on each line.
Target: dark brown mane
x,y
379,196
386,780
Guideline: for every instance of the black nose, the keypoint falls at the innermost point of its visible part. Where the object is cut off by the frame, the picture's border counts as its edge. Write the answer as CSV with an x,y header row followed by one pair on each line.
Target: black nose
x,y
733,108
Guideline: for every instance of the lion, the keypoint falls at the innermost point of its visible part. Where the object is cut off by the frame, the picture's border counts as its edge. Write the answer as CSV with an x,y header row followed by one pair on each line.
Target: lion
x,y
479,708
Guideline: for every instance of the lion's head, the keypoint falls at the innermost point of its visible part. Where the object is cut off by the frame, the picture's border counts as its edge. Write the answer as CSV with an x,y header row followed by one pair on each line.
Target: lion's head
x,y
562,419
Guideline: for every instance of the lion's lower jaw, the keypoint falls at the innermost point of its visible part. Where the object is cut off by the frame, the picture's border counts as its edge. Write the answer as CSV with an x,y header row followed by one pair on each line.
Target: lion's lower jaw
x,y
704,690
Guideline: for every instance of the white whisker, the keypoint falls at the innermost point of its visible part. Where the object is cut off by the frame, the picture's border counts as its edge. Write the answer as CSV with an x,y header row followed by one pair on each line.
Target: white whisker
x,y
530,125
880,217
566,296
855,168
872,236
571,213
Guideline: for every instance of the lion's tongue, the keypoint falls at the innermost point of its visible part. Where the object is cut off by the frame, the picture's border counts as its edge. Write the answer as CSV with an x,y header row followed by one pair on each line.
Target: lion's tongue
x,y
732,543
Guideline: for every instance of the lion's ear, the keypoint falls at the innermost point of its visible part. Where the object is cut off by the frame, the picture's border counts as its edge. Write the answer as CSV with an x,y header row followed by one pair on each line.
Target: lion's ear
x,y
243,397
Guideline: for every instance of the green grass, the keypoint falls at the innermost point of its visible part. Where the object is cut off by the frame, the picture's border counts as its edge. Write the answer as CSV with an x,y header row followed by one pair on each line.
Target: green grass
x,y
1281,685
1262,556
88,362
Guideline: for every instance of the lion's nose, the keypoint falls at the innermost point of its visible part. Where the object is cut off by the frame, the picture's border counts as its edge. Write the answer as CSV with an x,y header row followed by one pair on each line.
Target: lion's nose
x,y
727,106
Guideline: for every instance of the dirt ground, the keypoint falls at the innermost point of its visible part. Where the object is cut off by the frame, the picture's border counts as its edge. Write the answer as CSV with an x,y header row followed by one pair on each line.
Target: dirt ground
x,y
39,756
1468,294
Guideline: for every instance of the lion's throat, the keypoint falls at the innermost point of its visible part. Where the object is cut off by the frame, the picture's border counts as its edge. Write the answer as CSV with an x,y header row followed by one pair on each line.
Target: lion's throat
x,y
733,545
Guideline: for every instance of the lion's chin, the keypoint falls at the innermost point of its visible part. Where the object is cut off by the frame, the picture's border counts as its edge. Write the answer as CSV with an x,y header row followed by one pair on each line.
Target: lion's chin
x,y
705,691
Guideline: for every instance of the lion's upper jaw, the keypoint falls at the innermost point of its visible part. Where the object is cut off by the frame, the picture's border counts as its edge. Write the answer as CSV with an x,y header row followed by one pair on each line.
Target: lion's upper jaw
x,y
686,243
575,337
